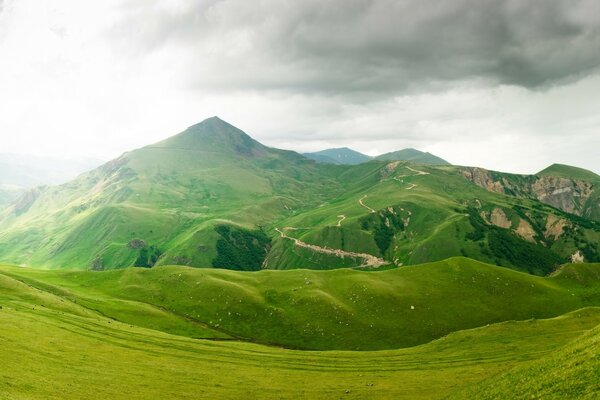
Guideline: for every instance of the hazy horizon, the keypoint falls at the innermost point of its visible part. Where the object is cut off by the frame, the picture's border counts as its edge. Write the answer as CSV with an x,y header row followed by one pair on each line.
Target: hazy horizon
x,y
513,88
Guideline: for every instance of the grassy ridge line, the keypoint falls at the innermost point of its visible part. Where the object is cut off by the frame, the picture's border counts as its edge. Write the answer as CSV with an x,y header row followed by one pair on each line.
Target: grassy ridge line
x,y
325,310
92,358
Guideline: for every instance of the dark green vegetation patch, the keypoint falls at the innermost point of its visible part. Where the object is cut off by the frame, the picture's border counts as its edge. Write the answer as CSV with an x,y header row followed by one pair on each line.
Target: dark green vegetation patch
x,y
240,249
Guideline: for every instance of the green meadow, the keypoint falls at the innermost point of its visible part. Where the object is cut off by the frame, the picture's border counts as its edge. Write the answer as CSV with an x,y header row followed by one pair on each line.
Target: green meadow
x,y
139,333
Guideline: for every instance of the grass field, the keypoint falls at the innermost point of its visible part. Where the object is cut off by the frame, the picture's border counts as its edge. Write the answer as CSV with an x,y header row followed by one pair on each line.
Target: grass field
x,y
323,310
52,347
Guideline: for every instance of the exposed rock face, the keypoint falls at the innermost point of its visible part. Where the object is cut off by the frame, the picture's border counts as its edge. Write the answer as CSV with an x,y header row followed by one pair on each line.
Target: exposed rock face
x,y
555,227
482,177
566,194
570,195
389,169
577,257
498,218
525,230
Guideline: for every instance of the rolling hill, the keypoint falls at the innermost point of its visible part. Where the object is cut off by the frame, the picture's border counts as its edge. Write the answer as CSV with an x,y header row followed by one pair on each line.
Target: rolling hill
x,y
212,196
323,310
74,334
413,155
341,155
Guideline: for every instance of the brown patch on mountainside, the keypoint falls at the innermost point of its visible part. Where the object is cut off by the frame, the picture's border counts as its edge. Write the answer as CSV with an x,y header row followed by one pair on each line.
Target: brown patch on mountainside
x,y
555,227
525,230
389,169
498,218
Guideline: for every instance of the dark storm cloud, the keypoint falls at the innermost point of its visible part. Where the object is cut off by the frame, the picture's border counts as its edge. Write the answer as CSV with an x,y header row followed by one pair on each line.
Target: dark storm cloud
x,y
372,45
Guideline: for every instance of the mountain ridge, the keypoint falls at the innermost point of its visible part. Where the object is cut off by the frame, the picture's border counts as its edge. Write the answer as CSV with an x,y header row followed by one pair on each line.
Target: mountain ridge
x,y
213,196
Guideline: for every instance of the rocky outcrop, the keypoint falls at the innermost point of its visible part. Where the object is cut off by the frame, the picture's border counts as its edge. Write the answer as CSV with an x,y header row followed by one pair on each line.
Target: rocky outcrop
x,y
577,257
566,194
526,231
483,178
498,217
570,195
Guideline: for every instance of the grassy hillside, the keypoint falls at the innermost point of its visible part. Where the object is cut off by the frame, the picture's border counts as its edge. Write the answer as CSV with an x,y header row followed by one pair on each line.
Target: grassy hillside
x,y
573,372
413,155
341,155
57,343
340,309
170,196
408,214
212,196
570,172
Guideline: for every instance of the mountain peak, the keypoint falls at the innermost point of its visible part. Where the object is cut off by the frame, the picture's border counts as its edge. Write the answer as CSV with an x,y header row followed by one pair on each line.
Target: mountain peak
x,y
215,135
414,155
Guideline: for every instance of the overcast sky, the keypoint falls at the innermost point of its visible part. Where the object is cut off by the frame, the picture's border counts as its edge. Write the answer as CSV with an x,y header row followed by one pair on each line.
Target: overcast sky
x,y
507,85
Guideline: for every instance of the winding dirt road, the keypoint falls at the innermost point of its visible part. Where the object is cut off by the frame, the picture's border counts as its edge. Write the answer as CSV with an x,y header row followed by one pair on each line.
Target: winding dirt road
x,y
366,206
368,259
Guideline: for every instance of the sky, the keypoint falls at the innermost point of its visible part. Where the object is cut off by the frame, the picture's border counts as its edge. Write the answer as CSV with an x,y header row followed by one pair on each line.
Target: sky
x,y
511,85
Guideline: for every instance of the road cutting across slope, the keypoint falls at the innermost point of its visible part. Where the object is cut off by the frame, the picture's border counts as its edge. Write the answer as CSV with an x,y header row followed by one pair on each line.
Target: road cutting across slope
x,y
368,259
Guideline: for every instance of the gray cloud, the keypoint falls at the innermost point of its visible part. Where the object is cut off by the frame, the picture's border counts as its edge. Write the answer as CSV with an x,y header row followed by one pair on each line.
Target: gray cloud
x,y
371,46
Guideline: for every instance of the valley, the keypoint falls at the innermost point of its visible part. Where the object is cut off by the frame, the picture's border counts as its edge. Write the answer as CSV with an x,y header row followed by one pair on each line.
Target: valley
x,y
112,343
228,269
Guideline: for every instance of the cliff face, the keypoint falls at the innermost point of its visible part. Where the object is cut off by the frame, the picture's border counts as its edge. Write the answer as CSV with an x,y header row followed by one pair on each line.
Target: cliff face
x,y
570,195
566,194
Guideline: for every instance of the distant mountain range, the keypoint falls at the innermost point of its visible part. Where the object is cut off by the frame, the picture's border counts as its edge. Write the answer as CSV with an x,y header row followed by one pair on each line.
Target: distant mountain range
x,y
212,196
19,172
346,156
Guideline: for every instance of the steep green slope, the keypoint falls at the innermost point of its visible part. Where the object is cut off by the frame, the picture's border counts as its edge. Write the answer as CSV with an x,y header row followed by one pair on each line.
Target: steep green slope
x,y
414,156
52,346
408,214
341,155
341,309
214,197
572,372
163,203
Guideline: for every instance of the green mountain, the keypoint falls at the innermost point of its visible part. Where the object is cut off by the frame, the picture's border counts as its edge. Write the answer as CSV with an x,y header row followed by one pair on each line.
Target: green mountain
x,y
341,155
346,156
414,156
569,172
212,196
166,201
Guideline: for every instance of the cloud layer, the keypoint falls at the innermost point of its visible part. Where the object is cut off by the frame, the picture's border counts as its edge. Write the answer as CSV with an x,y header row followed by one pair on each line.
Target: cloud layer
x,y
504,84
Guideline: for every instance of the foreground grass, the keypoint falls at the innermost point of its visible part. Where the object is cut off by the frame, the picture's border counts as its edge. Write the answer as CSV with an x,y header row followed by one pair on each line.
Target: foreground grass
x,y
573,372
54,348
323,310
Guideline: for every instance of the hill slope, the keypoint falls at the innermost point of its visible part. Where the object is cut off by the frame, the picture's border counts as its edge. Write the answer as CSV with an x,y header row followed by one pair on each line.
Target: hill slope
x,y
572,372
341,155
212,196
324,310
92,354
165,201
414,156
